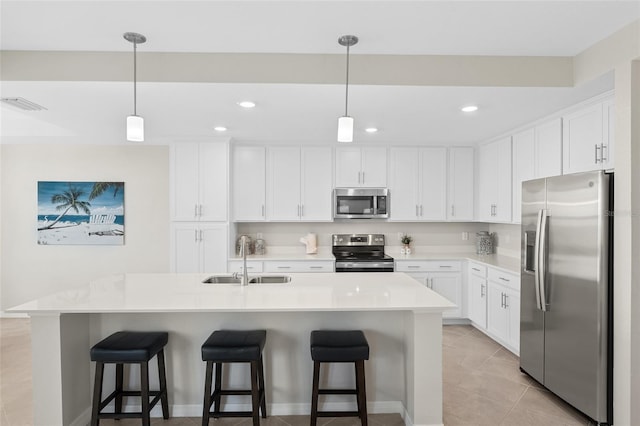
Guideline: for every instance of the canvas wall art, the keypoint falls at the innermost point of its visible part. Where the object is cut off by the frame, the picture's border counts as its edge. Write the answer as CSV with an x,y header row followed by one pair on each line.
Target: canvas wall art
x,y
80,213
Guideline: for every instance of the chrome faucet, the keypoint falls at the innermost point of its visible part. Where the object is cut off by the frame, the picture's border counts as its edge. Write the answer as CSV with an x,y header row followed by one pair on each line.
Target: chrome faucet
x,y
243,253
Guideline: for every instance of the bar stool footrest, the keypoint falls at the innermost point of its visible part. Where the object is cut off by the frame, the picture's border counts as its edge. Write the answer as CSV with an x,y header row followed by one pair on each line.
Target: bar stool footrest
x,y
338,414
230,414
337,391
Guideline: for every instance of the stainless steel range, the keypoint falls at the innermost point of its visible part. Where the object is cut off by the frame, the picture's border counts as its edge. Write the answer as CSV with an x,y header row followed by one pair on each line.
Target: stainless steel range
x,y
361,253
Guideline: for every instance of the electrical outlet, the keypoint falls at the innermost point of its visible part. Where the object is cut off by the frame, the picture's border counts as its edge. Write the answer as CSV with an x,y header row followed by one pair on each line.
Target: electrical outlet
x,y
400,234
465,236
259,235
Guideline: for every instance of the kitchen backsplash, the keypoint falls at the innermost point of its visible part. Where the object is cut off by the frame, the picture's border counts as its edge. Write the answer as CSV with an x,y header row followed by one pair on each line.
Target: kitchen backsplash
x,y
424,234
507,238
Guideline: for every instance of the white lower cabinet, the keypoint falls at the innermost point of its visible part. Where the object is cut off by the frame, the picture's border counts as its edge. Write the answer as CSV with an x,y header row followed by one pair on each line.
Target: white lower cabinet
x,y
503,308
477,296
443,277
275,266
199,247
299,266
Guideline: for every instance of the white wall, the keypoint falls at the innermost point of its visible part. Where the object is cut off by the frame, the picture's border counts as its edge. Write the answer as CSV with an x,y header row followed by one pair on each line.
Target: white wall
x,y
30,270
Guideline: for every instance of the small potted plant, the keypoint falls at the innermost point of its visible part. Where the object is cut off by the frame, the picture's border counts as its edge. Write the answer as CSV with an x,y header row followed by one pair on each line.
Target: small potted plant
x,y
406,241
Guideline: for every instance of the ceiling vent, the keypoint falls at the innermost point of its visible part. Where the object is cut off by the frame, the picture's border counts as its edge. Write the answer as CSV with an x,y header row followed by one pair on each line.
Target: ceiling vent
x,y
22,103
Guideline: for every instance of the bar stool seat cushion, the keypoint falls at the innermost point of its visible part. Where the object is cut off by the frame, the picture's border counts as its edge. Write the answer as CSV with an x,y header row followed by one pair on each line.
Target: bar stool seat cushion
x,y
234,345
129,346
339,346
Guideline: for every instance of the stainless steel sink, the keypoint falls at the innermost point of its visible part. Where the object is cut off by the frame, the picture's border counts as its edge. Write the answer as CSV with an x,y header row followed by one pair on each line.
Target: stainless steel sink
x,y
270,279
222,279
262,279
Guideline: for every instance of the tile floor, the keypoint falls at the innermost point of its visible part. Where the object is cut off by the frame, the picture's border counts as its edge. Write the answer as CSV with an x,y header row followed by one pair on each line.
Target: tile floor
x,y
482,386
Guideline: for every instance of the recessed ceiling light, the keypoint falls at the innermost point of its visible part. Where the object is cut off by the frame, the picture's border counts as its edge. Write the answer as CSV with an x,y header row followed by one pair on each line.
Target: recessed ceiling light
x,y
220,129
371,129
469,108
247,104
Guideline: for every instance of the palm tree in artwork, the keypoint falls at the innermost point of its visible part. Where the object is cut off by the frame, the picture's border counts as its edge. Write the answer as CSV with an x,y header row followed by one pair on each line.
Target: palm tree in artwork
x,y
68,200
100,187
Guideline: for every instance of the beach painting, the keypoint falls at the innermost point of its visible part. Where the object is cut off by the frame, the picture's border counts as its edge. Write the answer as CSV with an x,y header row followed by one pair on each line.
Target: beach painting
x,y
80,213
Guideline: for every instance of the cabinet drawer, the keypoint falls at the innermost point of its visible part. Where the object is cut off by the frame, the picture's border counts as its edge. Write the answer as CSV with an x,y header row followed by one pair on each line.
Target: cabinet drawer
x,y
311,266
478,269
428,266
252,266
504,278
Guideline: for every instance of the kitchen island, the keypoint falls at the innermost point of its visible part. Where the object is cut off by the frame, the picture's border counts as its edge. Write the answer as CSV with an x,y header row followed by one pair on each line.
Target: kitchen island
x,y
401,319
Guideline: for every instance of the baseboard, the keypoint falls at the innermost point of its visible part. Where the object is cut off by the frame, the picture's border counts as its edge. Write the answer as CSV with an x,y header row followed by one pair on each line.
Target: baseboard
x,y
408,421
83,419
277,409
456,321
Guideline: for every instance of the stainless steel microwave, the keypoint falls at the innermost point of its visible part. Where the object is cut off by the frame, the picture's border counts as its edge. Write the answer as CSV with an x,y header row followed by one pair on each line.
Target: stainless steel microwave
x,y
360,203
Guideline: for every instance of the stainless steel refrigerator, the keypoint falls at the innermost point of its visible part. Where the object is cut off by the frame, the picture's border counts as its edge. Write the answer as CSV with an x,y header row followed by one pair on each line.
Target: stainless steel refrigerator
x,y
566,289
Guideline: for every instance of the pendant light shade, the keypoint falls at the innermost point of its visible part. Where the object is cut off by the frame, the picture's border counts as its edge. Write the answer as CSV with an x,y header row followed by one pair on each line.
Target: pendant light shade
x,y
135,123
135,128
345,123
345,129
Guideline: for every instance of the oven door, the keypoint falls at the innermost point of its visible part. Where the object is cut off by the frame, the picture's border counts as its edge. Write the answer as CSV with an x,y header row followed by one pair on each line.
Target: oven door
x,y
358,266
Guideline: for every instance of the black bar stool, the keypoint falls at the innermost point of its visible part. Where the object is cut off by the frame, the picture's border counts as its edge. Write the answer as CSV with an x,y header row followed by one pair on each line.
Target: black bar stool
x,y
130,347
339,346
234,346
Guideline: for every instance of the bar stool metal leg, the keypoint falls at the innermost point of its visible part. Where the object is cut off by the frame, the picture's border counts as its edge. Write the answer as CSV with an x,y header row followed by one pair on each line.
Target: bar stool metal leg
x,y
263,398
362,392
162,377
119,387
218,390
255,394
315,392
144,393
97,394
206,406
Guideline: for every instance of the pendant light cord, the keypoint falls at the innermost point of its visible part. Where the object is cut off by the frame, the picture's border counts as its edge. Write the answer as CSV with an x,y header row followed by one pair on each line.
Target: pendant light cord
x,y
346,98
134,78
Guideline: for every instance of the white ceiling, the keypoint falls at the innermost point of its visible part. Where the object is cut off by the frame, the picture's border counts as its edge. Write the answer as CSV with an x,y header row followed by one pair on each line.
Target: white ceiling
x,y
94,112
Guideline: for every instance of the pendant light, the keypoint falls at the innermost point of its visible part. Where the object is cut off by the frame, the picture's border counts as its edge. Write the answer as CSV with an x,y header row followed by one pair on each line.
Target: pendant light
x,y
345,123
135,123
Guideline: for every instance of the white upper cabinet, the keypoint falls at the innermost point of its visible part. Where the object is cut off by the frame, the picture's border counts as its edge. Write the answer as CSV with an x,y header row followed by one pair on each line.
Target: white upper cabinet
x,y
249,184
418,183
299,184
199,247
199,181
537,153
494,183
461,199
361,167
317,183
587,138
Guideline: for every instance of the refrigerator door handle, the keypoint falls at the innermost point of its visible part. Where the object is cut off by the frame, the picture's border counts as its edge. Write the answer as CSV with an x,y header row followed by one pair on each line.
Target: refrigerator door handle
x,y
536,261
542,264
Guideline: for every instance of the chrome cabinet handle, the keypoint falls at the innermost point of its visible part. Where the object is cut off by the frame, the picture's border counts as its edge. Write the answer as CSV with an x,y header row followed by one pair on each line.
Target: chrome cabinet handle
x,y
597,159
445,266
284,267
263,210
413,266
421,213
502,300
301,210
602,148
195,210
195,238
200,210
363,177
506,301
504,279
359,173
452,210
316,267
482,290
476,269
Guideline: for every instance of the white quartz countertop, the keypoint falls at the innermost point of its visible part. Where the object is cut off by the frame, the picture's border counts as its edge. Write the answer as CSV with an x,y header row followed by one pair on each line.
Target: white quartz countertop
x,y
506,263
140,293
